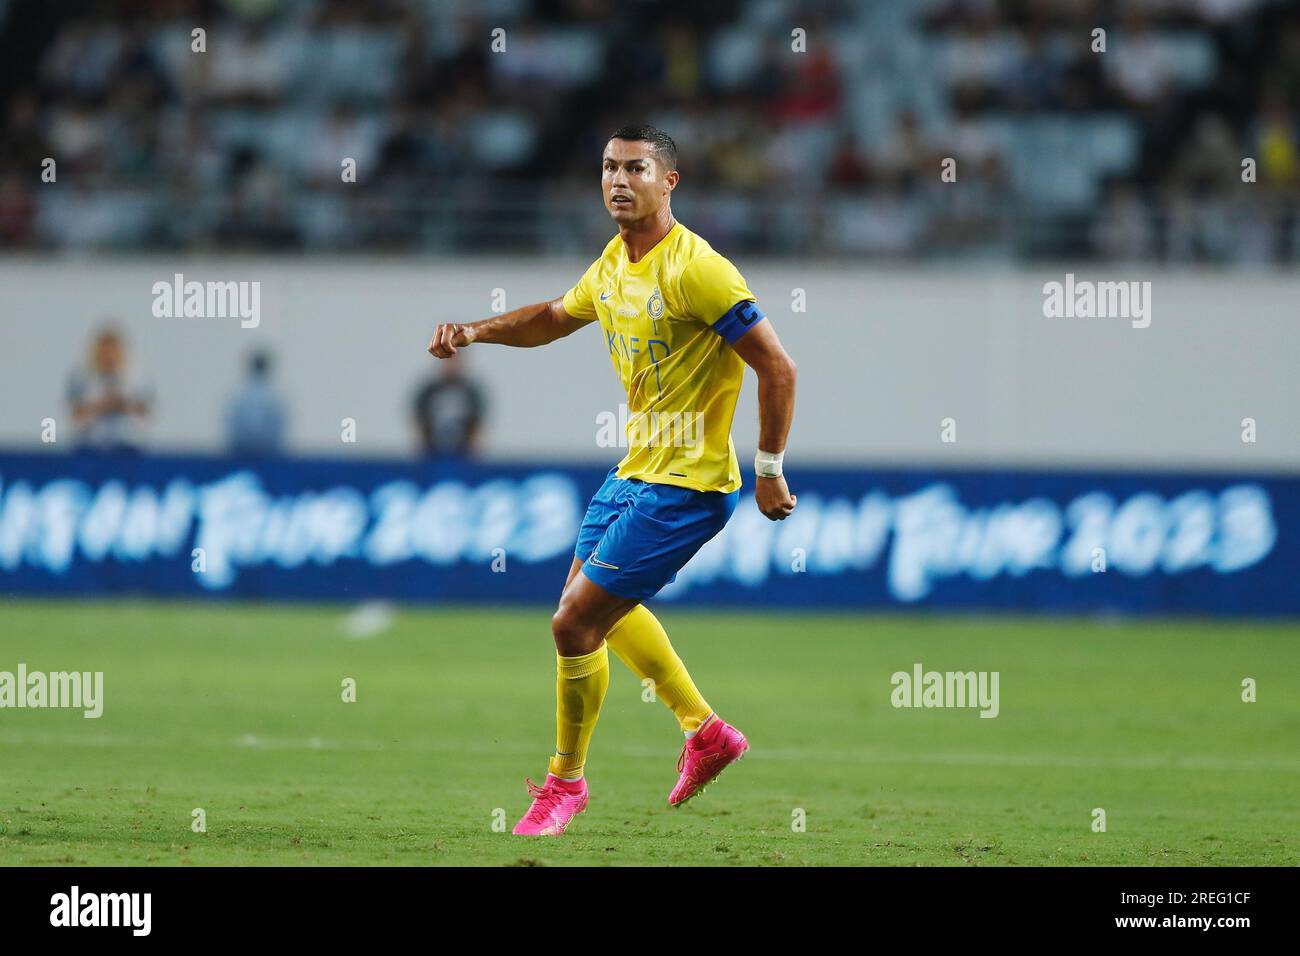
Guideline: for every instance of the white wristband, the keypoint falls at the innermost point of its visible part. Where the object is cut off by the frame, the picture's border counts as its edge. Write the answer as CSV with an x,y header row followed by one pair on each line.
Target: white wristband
x,y
768,465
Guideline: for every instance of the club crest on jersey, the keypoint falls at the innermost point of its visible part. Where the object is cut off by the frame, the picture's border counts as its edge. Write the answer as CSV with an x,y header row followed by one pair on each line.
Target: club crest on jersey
x,y
654,305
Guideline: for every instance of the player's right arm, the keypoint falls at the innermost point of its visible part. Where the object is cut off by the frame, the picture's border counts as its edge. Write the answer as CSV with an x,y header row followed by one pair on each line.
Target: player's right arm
x,y
529,327
526,327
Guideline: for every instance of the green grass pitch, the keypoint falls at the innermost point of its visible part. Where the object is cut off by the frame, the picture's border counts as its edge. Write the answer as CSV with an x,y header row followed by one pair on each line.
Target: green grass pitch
x,y
238,710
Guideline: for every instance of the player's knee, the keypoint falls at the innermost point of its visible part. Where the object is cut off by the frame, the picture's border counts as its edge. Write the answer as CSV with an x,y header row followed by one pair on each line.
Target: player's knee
x,y
573,635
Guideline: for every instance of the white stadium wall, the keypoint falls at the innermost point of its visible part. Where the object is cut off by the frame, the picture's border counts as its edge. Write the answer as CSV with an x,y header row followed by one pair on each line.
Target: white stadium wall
x,y
885,355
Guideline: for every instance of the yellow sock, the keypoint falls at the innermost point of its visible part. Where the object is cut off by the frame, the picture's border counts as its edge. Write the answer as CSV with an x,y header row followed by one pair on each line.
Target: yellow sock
x,y
642,644
580,685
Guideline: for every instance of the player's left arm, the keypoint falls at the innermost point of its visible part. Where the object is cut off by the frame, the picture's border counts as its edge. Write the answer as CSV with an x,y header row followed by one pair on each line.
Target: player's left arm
x,y
714,291
777,374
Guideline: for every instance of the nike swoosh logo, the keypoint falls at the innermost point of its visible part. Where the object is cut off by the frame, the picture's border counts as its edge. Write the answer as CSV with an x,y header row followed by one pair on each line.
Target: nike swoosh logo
x,y
605,295
601,564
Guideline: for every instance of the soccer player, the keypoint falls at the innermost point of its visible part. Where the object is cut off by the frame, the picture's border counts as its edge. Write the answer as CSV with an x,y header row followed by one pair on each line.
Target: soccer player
x,y
679,325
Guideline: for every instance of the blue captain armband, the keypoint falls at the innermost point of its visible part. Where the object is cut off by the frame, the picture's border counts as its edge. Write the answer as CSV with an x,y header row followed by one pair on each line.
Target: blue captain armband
x,y
738,320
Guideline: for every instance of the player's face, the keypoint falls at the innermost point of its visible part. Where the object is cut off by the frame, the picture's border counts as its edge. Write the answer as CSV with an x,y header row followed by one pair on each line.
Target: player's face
x,y
634,184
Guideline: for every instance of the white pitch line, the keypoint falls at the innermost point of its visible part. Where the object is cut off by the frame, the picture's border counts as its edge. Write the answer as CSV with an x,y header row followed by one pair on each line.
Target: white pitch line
x,y
1192,762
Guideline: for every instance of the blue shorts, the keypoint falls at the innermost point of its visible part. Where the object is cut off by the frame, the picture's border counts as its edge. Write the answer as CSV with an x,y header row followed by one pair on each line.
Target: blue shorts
x,y
637,534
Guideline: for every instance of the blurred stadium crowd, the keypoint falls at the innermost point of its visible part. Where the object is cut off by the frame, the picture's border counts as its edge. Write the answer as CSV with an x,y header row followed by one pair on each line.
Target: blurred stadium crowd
x,y
1135,153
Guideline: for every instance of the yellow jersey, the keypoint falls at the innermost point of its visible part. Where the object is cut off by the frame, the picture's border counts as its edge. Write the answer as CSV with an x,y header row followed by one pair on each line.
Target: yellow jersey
x,y
669,322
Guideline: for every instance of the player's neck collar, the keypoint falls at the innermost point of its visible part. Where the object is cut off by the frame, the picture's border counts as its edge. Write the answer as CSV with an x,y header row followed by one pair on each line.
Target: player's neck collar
x,y
652,251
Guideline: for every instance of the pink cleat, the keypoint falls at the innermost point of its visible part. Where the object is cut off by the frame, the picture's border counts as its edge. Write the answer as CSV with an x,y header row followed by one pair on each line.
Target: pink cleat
x,y
705,756
554,806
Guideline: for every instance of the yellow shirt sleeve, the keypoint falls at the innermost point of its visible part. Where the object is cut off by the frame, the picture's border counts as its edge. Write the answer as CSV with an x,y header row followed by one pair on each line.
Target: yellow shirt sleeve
x,y
710,286
578,300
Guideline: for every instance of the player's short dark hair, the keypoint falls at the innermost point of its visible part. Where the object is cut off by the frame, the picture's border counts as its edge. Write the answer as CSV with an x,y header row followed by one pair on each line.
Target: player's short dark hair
x,y
663,147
